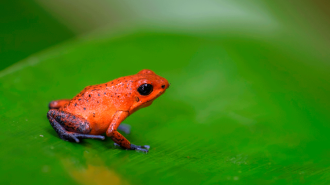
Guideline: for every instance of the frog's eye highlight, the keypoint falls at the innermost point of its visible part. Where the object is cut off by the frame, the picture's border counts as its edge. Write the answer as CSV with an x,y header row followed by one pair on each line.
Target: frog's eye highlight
x,y
145,89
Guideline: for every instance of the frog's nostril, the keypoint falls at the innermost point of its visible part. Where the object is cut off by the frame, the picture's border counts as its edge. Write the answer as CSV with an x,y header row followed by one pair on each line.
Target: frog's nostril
x,y
163,86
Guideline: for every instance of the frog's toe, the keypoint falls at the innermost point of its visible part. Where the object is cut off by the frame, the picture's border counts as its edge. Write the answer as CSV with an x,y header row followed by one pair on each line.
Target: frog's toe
x,y
76,139
144,148
70,137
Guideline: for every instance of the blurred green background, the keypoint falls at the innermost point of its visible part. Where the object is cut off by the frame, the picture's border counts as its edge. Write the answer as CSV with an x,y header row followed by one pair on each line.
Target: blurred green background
x,y
248,103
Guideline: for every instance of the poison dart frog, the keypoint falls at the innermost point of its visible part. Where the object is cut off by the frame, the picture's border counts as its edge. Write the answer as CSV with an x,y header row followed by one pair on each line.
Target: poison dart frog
x,y
101,108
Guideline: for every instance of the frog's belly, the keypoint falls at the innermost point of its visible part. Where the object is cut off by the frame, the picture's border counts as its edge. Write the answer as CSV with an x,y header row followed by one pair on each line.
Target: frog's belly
x,y
99,122
98,128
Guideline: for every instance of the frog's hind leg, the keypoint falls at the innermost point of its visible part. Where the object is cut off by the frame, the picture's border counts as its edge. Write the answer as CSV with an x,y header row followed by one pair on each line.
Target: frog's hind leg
x,y
57,103
70,127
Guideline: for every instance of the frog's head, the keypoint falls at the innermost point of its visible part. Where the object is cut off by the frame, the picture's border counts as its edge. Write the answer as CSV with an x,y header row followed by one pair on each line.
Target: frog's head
x,y
147,87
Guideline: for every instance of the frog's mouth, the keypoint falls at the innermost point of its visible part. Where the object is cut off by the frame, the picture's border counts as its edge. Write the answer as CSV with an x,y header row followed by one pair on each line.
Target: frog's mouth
x,y
146,104
149,102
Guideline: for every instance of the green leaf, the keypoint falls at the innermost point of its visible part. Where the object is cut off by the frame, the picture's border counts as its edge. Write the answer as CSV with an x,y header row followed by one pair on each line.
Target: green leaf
x,y
25,29
240,109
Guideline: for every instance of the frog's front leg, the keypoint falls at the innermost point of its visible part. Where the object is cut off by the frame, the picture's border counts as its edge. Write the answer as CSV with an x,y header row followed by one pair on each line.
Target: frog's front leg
x,y
56,104
70,127
117,137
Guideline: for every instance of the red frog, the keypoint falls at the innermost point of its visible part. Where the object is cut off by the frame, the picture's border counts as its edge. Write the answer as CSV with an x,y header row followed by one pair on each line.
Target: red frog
x,y
101,108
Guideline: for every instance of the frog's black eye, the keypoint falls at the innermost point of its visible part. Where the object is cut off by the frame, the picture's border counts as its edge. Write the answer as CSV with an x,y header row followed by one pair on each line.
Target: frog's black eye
x,y
145,89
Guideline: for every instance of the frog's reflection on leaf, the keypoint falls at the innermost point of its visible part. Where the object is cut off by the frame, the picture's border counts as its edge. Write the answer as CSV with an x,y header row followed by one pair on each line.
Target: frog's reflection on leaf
x,y
94,172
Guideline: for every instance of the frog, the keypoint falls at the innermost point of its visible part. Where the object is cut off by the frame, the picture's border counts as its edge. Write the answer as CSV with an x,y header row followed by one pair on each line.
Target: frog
x,y
100,109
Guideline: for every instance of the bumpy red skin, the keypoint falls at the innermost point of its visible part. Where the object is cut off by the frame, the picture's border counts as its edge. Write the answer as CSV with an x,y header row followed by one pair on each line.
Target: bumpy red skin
x,y
105,106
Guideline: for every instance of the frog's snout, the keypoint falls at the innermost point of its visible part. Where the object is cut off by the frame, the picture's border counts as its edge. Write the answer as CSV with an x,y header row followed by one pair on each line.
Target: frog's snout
x,y
164,86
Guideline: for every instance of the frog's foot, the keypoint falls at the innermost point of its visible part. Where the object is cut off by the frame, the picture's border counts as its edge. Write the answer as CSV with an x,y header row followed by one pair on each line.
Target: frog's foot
x,y
125,128
78,127
74,137
144,148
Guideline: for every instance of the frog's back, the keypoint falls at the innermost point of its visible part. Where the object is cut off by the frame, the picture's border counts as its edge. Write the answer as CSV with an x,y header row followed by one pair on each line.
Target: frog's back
x,y
98,103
